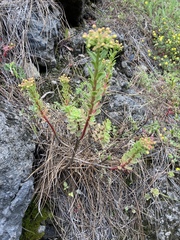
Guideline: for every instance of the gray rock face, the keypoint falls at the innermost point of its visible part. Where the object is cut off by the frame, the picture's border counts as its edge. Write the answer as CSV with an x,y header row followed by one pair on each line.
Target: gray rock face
x,y
166,225
36,28
120,106
42,35
15,166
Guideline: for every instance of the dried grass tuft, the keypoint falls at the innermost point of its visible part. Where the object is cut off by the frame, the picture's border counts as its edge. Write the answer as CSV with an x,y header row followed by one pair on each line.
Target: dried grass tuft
x,y
97,203
15,18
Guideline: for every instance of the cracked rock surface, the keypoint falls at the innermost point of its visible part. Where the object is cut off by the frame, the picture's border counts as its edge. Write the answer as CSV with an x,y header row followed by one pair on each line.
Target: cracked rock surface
x,y
16,156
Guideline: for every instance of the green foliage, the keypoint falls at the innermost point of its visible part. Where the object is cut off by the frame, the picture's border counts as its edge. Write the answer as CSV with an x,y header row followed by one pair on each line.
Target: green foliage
x,y
146,80
172,81
159,10
39,107
165,17
131,208
172,90
82,107
99,39
32,221
171,137
64,80
15,70
102,131
66,187
154,193
85,105
171,174
153,128
129,158
76,118
166,42
29,86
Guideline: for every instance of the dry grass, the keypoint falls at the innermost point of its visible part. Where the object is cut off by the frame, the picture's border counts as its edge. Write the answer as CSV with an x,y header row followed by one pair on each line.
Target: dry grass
x,y
15,19
106,204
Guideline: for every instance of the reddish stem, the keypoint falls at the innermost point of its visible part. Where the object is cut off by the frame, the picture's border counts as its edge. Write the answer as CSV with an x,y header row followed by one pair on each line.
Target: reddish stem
x,y
91,110
45,117
123,165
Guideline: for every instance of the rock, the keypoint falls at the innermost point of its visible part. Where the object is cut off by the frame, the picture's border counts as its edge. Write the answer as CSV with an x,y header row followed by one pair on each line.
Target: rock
x,y
126,68
122,105
33,28
118,82
31,70
42,35
16,156
77,42
166,225
50,232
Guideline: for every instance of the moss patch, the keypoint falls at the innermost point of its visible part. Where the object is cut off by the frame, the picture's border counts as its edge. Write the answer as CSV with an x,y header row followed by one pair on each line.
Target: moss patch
x,y
32,221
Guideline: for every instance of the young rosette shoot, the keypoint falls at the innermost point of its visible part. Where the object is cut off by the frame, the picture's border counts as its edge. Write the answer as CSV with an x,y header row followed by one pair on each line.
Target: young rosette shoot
x,y
131,157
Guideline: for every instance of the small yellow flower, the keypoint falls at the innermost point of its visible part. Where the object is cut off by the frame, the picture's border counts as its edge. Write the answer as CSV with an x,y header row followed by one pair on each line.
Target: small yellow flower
x,y
161,38
154,33
161,136
27,83
84,35
64,79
